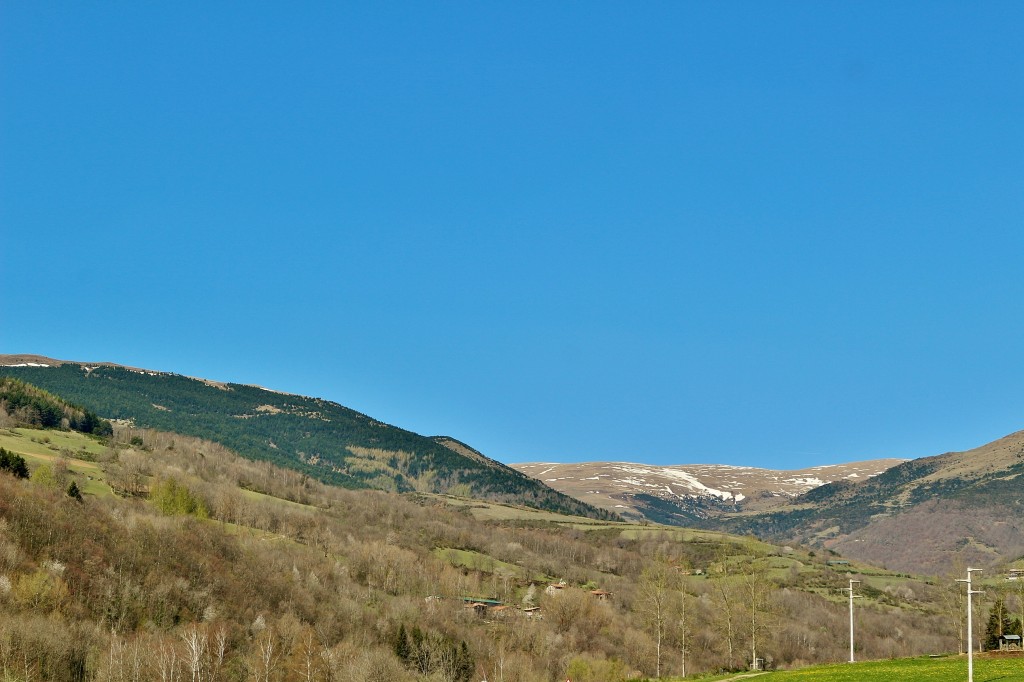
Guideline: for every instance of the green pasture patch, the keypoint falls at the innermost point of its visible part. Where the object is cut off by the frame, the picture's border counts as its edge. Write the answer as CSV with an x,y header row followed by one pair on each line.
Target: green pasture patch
x,y
477,561
494,511
88,475
94,487
46,441
677,534
780,568
249,533
30,444
880,582
253,495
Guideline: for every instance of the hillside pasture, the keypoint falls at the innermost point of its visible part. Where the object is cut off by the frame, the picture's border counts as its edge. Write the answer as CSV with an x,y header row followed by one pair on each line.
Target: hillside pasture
x,y
496,511
257,496
44,447
477,561
51,442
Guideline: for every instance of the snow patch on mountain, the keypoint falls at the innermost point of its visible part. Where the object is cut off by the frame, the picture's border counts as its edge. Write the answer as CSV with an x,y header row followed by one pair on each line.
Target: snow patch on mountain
x,y
716,484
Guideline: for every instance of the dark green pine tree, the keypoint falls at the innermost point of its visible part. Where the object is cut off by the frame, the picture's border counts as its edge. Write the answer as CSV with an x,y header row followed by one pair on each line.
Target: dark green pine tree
x,y
999,624
419,652
13,463
74,492
464,664
402,649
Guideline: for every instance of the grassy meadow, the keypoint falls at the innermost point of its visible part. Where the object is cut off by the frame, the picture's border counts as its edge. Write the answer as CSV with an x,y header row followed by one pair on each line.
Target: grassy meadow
x,y
78,450
987,668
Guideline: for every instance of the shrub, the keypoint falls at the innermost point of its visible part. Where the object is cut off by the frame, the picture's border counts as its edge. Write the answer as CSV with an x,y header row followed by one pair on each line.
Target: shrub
x,y
172,498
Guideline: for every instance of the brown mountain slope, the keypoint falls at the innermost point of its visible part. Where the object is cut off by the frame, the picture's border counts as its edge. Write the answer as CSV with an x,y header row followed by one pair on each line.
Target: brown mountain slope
x,y
923,515
627,487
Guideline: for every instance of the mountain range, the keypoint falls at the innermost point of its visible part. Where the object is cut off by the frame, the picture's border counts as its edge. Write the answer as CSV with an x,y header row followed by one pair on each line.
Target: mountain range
x,y
921,515
685,494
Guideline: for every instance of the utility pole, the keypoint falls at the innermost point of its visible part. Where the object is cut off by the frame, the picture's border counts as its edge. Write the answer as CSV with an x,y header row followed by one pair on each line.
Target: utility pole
x,y
852,597
970,629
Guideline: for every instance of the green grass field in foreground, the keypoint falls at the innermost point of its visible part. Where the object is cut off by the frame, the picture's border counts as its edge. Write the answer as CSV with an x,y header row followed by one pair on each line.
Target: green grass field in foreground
x,y
947,669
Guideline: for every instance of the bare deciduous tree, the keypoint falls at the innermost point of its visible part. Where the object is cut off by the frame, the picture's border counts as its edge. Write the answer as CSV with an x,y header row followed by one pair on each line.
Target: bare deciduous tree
x,y
268,656
196,642
756,589
683,626
655,594
723,590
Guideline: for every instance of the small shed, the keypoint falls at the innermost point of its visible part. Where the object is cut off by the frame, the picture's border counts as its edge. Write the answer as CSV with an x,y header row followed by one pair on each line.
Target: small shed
x,y
481,600
602,595
1010,643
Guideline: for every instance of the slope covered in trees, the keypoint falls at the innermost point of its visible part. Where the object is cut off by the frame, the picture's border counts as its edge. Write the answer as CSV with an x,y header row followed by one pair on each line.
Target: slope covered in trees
x,y
320,438
214,568
29,405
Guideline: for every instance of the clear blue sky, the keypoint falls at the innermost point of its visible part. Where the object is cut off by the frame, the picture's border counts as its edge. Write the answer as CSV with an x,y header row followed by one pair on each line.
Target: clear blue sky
x,y
769,233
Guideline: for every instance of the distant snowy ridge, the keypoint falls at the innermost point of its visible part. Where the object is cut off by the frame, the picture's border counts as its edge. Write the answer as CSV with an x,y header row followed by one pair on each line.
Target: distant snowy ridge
x,y
615,485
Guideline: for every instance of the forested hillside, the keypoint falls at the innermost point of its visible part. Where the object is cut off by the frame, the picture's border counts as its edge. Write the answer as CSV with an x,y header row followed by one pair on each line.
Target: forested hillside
x,y
185,562
320,438
33,406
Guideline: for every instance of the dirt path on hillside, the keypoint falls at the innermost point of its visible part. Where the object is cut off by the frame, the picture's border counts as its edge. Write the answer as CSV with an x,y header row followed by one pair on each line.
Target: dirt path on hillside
x,y
744,676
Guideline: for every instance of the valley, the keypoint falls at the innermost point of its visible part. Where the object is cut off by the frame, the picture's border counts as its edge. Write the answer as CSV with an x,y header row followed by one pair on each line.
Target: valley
x,y
150,539
342,571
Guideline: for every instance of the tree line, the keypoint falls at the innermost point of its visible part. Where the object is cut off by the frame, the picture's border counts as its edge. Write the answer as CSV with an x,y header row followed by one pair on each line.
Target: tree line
x,y
29,405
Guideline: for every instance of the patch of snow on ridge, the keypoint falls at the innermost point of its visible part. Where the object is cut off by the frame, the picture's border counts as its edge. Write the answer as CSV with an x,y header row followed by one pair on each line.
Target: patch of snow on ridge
x,y
637,482
810,481
694,483
682,477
